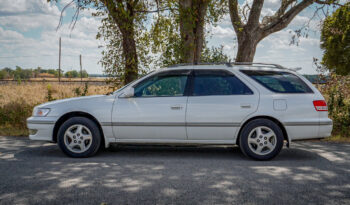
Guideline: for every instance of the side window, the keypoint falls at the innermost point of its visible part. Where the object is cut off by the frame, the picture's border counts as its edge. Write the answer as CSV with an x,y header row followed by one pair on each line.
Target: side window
x,y
162,86
216,82
279,82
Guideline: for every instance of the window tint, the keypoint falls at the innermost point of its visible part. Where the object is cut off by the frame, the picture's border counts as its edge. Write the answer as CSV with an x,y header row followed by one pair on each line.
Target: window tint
x,y
162,85
209,82
280,82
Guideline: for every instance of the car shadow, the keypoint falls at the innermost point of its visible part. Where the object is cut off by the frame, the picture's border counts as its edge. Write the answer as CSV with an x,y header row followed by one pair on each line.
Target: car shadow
x,y
231,153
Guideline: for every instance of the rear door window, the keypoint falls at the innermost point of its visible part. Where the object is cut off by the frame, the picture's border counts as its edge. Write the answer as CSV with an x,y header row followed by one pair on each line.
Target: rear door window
x,y
218,82
279,82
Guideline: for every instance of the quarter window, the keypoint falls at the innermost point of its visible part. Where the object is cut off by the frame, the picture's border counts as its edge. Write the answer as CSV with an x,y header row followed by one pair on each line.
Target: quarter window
x,y
216,82
162,86
279,82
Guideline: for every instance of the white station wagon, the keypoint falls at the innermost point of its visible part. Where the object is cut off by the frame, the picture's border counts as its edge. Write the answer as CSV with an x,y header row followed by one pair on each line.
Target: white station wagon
x,y
256,106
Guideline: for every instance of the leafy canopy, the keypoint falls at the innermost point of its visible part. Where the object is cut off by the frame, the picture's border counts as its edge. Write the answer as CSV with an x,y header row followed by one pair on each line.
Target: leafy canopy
x,y
335,41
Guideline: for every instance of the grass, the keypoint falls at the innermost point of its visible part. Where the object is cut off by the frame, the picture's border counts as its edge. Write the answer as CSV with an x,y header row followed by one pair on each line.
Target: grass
x,y
36,93
337,138
18,100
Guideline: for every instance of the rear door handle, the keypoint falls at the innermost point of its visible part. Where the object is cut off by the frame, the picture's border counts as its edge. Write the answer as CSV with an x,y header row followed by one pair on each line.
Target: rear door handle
x,y
246,105
176,107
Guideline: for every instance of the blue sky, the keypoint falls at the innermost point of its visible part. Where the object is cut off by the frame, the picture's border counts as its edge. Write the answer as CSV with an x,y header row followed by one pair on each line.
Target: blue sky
x,y
28,38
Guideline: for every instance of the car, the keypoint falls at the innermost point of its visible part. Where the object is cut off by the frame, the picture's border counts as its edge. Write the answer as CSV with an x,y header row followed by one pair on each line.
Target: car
x,y
256,106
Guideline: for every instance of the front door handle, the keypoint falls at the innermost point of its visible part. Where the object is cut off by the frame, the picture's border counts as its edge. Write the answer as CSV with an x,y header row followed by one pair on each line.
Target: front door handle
x,y
176,107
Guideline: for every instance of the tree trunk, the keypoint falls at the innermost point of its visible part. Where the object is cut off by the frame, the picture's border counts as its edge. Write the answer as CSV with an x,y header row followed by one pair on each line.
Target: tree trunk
x,y
191,15
130,56
246,48
124,18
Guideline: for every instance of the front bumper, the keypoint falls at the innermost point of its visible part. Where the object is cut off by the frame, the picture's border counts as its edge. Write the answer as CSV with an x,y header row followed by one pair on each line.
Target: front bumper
x,y
41,128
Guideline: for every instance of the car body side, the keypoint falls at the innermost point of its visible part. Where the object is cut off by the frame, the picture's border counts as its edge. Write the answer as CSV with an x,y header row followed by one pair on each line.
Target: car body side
x,y
294,113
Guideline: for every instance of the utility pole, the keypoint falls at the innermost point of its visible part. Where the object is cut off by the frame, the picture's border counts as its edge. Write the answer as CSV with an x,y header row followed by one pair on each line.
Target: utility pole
x,y
59,62
81,71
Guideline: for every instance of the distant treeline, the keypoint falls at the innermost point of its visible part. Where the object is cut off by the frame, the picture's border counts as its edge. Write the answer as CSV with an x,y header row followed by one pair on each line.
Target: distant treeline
x,y
21,74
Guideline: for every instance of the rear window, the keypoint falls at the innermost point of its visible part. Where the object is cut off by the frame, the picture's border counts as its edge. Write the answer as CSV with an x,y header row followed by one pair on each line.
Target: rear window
x,y
279,82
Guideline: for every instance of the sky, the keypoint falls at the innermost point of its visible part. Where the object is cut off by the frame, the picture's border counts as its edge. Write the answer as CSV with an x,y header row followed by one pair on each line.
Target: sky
x,y
28,38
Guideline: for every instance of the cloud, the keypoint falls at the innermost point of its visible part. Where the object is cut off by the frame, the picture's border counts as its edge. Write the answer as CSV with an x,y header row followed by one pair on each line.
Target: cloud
x,y
41,47
221,32
20,7
24,15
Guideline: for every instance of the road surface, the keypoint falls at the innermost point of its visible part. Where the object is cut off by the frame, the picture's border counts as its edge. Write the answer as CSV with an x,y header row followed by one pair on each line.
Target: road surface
x,y
38,173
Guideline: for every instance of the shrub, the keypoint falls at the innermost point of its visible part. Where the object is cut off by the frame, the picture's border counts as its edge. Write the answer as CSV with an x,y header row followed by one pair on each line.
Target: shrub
x,y
337,94
13,117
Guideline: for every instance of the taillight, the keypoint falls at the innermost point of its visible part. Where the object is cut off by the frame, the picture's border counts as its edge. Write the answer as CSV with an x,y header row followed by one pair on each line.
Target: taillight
x,y
320,105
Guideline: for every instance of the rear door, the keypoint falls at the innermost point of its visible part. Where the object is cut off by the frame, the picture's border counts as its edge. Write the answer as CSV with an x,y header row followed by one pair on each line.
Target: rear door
x,y
218,103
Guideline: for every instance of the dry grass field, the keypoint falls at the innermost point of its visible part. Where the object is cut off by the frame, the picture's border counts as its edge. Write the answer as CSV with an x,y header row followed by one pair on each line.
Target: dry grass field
x,y
36,93
18,99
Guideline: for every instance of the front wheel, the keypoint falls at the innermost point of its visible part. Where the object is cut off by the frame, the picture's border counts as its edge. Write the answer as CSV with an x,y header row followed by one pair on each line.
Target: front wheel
x,y
79,137
261,139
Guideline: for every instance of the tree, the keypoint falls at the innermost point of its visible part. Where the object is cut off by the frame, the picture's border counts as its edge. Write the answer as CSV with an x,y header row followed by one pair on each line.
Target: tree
x,y
335,41
191,20
125,15
179,32
250,30
214,55
122,60
71,74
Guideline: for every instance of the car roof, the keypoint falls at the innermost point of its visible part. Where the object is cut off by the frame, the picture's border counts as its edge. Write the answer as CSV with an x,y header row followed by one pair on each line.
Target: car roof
x,y
260,67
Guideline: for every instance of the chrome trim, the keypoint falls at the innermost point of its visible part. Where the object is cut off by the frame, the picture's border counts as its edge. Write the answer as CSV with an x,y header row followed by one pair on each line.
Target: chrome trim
x,y
212,124
172,124
40,122
316,123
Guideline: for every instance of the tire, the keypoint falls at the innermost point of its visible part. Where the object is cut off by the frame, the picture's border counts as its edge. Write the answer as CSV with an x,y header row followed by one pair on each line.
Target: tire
x,y
261,139
79,137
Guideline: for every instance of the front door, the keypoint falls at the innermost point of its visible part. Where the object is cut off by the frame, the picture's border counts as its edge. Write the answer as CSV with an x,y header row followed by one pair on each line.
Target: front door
x,y
218,104
156,111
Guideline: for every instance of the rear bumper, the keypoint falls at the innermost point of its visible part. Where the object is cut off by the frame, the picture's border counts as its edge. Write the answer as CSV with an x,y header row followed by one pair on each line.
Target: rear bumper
x,y
309,130
41,128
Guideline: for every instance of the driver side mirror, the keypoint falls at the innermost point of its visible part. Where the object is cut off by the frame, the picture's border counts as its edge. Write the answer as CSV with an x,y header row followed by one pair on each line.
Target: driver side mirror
x,y
129,92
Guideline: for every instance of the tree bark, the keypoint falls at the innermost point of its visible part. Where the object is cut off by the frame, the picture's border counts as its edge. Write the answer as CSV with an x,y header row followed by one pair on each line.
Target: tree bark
x,y
130,56
191,15
246,48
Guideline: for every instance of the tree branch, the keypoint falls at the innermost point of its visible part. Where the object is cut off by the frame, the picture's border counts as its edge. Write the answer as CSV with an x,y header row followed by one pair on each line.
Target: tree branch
x,y
328,2
279,23
235,18
254,13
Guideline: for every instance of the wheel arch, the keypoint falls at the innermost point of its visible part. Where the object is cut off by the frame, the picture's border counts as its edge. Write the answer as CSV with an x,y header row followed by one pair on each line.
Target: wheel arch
x,y
284,131
69,115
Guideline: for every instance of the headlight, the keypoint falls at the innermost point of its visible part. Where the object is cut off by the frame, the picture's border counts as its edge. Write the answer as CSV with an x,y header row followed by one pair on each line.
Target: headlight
x,y
41,112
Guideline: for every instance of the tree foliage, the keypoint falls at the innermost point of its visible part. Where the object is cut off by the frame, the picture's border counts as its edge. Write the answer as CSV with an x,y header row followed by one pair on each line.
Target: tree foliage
x,y
178,33
335,41
113,59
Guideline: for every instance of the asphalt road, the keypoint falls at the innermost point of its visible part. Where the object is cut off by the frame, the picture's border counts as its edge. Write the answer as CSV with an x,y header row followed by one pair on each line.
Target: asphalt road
x,y
38,173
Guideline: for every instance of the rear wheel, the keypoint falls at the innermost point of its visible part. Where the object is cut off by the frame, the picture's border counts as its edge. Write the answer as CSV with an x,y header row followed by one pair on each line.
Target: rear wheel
x,y
79,137
261,139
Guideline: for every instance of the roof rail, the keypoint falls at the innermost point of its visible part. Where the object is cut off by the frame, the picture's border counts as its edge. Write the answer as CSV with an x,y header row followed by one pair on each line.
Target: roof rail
x,y
229,64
